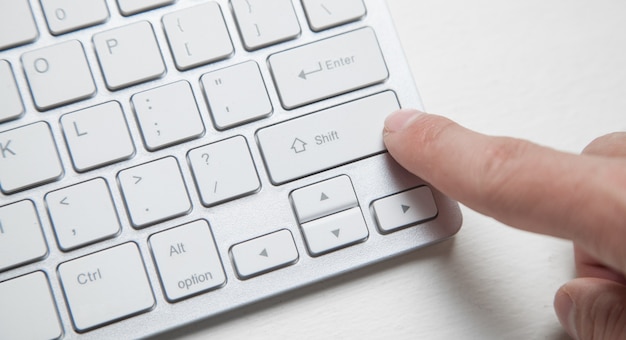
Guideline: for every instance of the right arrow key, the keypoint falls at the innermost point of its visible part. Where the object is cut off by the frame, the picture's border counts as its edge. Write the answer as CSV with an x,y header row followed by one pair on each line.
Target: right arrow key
x,y
405,209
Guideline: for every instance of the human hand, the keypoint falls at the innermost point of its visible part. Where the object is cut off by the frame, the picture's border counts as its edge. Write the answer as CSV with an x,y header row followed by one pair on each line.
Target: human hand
x,y
577,197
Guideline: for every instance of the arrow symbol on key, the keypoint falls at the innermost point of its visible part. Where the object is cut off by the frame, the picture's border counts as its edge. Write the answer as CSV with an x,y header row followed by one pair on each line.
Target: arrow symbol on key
x,y
405,208
264,253
304,74
323,197
336,232
137,179
64,201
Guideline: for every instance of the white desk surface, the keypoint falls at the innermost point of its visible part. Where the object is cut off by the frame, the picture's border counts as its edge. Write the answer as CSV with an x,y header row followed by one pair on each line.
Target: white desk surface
x,y
551,71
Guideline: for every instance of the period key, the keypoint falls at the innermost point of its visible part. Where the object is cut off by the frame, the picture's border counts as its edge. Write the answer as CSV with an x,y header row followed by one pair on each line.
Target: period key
x,y
187,260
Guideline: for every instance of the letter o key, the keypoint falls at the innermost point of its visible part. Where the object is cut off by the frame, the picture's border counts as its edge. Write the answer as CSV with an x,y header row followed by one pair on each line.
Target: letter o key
x,y
41,65
60,14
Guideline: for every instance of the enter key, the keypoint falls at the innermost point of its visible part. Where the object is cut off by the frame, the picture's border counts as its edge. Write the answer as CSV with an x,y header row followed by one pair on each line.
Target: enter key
x,y
328,68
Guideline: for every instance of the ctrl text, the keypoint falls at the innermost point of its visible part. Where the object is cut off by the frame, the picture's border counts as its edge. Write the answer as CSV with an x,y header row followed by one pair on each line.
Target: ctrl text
x,y
89,277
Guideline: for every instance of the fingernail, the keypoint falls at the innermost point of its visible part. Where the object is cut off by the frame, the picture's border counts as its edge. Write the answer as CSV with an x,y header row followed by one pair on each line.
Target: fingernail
x,y
399,119
566,312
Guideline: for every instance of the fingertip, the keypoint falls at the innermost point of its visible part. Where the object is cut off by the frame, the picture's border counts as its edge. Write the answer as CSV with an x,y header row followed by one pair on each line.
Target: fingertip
x,y
399,119
611,145
565,311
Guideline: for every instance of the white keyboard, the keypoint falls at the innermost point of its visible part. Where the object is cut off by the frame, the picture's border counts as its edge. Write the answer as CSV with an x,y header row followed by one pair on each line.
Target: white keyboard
x,y
165,161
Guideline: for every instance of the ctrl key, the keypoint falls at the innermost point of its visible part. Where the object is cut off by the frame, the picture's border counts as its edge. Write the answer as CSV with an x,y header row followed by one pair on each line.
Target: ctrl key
x,y
27,309
106,286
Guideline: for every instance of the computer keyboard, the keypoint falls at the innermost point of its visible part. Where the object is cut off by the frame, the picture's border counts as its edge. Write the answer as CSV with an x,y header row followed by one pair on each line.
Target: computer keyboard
x,y
164,161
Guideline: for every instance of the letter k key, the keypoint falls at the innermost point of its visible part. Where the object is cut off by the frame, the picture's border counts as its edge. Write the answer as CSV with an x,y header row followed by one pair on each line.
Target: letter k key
x,y
4,148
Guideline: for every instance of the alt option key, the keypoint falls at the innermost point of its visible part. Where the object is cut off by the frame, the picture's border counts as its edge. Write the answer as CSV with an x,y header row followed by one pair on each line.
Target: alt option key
x,y
187,260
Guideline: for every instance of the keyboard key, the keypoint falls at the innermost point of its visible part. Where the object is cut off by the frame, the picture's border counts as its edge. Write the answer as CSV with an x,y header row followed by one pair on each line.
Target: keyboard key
x,y
21,239
328,68
324,198
11,106
236,95
69,15
167,115
224,171
28,310
97,136
58,74
82,214
265,22
324,14
186,34
129,55
154,192
326,139
264,254
28,157
130,7
187,260
17,26
405,209
113,280
335,231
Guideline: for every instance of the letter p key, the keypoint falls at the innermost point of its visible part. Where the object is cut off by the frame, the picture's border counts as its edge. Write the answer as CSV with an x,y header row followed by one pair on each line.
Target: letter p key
x,y
111,43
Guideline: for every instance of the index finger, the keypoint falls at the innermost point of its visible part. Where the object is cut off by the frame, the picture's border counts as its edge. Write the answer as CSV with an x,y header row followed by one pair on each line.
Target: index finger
x,y
519,183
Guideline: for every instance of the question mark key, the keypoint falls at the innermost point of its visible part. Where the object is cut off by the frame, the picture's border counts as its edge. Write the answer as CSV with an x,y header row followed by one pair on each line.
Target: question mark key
x,y
224,170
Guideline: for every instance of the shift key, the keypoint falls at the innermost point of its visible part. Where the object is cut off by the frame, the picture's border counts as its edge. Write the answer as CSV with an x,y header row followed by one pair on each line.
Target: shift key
x,y
326,139
328,68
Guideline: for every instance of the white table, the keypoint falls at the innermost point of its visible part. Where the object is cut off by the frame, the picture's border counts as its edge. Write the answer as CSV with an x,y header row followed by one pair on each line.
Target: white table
x,y
550,71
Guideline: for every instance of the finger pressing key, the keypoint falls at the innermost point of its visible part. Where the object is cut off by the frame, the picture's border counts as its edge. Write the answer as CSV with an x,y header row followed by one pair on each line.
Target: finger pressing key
x,y
519,183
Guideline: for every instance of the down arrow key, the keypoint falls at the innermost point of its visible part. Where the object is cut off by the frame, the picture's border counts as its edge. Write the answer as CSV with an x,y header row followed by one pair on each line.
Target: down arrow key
x,y
334,232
